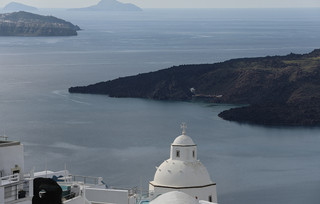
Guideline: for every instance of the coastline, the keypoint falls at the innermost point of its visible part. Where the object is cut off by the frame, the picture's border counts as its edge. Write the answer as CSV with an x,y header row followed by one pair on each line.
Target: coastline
x,y
282,90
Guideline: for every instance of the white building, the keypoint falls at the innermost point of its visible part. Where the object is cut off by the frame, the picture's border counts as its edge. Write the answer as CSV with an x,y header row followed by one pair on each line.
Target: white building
x,y
184,172
17,188
11,158
182,179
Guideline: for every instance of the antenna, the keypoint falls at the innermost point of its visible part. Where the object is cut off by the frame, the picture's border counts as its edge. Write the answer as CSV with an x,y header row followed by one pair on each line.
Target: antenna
x,y
4,137
65,172
141,187
46,168
32,172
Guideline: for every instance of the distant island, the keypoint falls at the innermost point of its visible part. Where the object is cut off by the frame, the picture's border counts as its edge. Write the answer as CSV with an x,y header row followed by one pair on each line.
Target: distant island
x,y
277,90
110,5
14,6
28,24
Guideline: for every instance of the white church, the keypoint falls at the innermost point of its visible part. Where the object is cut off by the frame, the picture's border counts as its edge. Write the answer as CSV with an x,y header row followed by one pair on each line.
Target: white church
x,y
182,179
183,172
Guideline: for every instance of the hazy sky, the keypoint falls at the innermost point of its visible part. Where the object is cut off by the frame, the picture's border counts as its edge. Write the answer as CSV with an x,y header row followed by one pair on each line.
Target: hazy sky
x,y
175,3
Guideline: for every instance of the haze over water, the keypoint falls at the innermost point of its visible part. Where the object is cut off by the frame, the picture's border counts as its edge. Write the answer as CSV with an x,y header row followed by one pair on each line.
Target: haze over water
x,y
123,139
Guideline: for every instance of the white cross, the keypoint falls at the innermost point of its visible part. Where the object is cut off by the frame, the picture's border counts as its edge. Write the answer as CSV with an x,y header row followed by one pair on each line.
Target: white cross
x,y
183,127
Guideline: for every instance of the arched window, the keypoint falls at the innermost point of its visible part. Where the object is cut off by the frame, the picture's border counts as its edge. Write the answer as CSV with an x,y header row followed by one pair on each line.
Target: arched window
x,y
193,154
210,198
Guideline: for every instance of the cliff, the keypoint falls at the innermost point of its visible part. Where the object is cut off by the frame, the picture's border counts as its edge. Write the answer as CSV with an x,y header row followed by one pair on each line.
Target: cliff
x,y
28,24
281,90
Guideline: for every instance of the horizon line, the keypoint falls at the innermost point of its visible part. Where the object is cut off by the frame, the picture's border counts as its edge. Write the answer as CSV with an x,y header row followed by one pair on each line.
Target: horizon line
x,y
189,8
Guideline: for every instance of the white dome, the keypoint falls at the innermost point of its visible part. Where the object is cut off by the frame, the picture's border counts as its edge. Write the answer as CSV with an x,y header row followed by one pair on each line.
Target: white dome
x,y
175,173
175,197
183,140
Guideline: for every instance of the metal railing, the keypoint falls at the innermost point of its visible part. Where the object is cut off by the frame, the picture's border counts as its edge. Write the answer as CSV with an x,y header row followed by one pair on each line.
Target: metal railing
x,y
87,179
16,191
3,138
142,195
9,179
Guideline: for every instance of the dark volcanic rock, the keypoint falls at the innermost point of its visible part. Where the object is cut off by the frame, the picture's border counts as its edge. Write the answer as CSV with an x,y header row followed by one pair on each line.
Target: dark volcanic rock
x,y
283,90
275,115
28,24
161,85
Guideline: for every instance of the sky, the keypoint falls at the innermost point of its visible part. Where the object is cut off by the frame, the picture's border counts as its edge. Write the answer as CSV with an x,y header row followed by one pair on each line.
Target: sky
x,y
175,3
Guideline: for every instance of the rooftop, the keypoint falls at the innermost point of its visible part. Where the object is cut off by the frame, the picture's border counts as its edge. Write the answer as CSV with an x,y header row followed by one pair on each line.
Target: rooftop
x,y
6,143
181,174
183,140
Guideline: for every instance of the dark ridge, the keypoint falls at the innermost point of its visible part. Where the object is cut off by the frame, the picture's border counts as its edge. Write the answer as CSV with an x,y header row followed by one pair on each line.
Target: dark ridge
x,y
282,90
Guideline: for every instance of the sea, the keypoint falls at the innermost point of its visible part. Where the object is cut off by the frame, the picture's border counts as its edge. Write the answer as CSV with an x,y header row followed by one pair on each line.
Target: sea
x,y
124,139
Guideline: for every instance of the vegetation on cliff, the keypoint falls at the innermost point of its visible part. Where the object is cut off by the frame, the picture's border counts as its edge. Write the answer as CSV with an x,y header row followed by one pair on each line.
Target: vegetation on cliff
x,y
281,90
28,24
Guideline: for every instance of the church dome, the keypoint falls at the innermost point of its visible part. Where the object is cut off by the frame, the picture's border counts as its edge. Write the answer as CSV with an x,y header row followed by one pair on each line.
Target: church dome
x,y
183,140
182,169
175,197
175,173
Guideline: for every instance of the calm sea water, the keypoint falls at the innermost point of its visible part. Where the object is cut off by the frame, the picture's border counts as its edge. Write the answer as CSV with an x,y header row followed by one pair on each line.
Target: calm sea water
x,y
124,139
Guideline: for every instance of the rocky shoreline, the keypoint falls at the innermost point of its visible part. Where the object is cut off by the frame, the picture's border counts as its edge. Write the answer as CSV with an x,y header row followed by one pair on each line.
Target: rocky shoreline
x,y
28,24
280,90
274,115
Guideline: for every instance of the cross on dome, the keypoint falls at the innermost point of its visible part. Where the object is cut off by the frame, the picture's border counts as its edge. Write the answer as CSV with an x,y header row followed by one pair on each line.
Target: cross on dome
x,y
183,127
